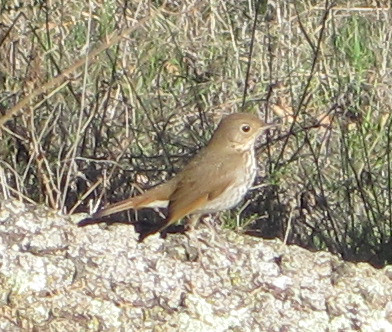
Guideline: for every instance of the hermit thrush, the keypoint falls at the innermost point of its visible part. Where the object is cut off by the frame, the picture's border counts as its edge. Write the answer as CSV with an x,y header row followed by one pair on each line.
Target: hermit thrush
x,y
216,179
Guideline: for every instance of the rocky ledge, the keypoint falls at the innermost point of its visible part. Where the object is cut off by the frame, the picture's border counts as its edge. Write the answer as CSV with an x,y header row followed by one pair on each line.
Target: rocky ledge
x,y
55,276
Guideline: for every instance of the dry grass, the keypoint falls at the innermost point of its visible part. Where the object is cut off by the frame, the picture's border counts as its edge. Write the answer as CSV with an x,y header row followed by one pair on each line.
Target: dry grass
x,y
131,114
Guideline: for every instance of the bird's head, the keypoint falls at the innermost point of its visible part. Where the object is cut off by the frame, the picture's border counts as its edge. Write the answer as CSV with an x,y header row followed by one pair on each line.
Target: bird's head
x,y
239,131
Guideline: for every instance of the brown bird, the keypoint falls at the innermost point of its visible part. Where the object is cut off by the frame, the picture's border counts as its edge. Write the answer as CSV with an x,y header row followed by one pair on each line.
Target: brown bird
x,y
216,179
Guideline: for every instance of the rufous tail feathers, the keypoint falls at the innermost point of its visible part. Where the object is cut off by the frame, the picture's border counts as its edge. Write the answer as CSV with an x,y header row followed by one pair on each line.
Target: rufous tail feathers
x,y
156,197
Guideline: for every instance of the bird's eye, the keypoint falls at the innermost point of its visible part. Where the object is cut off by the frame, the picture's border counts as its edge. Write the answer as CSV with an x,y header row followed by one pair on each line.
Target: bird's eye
x,y
245,128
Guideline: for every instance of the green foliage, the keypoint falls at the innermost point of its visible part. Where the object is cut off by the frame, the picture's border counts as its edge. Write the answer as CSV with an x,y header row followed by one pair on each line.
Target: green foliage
x,y
353,41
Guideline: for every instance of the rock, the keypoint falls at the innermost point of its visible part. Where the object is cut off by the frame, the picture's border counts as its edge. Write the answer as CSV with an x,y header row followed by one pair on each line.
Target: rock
x,y
56,276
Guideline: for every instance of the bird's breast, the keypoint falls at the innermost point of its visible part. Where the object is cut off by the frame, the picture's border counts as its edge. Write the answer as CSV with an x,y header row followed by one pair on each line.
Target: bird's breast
x,y
244,177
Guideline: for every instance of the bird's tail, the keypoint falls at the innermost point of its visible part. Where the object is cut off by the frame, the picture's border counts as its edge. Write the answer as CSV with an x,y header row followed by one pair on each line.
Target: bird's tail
x,y
148,199
158,196
135,203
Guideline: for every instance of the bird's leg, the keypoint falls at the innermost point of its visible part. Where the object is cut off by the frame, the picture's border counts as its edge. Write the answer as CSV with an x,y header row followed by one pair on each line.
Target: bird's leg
x,y
192,221
191,236
213,228
163,229
216,239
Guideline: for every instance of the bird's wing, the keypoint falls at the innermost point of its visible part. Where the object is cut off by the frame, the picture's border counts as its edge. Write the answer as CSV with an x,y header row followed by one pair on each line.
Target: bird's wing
x,y
199,185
